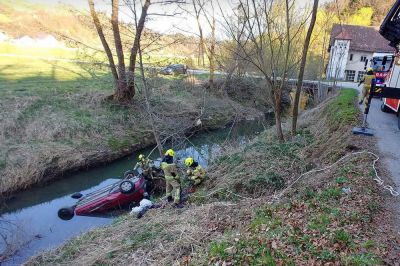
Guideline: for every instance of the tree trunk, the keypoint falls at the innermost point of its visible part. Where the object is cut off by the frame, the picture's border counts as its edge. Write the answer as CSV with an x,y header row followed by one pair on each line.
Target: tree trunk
x,y
122,84
103,40
211,56
302,68
197,11
278,115
130,91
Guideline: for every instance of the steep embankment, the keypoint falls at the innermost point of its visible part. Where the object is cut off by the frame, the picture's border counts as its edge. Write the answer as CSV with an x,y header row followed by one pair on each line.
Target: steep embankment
x,y
328,217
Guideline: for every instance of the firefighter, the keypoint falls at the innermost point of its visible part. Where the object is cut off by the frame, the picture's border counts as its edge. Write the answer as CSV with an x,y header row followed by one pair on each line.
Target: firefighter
x,y
367,85
172,180
146,165
195,172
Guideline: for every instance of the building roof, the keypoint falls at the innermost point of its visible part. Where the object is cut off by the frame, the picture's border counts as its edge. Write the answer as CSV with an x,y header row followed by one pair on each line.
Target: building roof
x,y
361,38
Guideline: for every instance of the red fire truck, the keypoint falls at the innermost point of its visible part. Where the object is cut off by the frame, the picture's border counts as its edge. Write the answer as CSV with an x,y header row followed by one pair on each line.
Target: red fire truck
x,y
387,82
388,67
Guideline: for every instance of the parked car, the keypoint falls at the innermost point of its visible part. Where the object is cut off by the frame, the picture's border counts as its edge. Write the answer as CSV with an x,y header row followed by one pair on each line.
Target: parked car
x,y
174,69
131,189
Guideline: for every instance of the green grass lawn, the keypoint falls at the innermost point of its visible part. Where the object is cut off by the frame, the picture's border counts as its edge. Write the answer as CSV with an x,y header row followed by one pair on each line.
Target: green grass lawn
x,y
56,52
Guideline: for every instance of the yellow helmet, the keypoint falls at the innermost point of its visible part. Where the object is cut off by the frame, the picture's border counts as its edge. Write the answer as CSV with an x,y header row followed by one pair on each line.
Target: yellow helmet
x,y
189,161
141,157
370,69
170,152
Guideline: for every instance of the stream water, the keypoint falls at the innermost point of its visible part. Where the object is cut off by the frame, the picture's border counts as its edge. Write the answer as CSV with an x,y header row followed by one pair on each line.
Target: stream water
x,y
30,220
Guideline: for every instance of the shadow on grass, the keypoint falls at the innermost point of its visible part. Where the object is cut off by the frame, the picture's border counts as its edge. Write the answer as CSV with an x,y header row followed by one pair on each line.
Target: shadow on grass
x,y
38,77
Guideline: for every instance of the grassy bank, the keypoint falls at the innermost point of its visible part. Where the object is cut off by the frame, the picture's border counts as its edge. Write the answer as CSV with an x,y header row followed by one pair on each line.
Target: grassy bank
x,y
330,217
55,118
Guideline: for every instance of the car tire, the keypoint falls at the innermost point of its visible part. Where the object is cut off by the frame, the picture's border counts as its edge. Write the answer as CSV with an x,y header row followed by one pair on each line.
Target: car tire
x,y
129,172
66,213
76,195
384,108
126,186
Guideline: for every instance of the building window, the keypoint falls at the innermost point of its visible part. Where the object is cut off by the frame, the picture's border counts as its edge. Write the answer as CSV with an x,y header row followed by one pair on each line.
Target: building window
x,y
350,74
363,58
360,75
351,57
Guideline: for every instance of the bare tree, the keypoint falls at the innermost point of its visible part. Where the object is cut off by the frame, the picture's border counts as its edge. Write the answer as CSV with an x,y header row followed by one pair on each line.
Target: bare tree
x,y
302,67
268,43
205,9
104,42
136,46
197,8
124,83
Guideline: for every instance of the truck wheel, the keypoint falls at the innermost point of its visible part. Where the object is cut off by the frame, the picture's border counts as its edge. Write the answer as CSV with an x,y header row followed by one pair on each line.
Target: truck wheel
x,y
384,108
66,213
126,186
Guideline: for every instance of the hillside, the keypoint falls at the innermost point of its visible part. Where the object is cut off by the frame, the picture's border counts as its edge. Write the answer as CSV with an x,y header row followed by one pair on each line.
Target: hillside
x,y
74,27
20,18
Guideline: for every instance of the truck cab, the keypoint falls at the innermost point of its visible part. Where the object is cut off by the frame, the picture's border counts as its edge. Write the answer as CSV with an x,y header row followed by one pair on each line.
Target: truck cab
x,y
390,27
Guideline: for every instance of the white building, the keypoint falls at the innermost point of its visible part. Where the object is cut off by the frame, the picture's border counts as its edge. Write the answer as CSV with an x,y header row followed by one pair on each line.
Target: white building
x,y
46,41
3,36
351,47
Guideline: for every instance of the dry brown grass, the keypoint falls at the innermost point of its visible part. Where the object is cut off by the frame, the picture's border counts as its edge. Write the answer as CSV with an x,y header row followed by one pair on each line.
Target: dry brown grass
x,y
162,237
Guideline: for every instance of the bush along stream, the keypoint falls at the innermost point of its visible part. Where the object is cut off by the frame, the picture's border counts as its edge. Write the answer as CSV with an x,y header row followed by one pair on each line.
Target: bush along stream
x,y
330,217
30,219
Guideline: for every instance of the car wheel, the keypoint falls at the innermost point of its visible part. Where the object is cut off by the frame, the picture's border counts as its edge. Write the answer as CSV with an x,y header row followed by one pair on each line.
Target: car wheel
x,y
127,173
76,195
126,186
66,213
384,108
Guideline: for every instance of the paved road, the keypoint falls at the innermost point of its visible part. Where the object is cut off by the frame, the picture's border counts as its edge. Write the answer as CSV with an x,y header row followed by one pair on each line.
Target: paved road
x,y
387,134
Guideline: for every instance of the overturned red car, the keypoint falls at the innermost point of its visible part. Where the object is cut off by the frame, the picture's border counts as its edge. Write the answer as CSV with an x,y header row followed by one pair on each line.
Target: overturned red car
x,y
131,189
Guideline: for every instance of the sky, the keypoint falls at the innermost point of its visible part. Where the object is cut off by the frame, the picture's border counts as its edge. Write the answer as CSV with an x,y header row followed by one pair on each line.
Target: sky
x,y
180,23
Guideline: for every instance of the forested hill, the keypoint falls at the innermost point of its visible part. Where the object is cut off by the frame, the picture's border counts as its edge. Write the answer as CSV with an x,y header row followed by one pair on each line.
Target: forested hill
x,y
362,12
19,18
